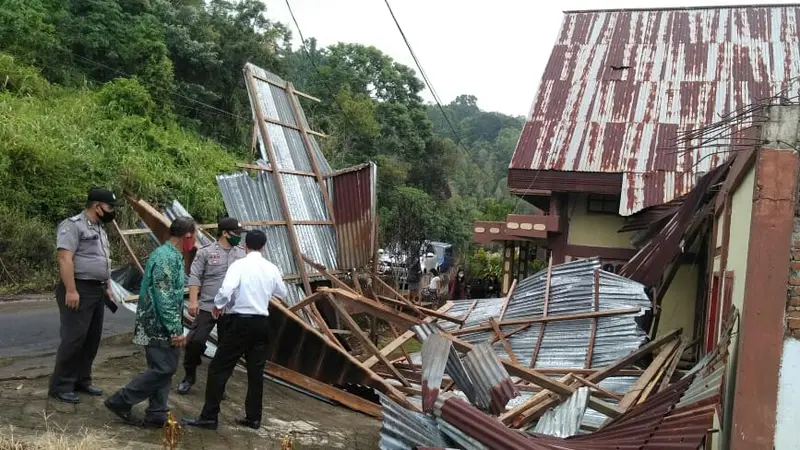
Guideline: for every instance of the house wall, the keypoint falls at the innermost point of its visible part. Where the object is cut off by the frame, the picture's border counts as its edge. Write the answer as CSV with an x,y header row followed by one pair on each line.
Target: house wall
x,y
741,205
678,304
594,229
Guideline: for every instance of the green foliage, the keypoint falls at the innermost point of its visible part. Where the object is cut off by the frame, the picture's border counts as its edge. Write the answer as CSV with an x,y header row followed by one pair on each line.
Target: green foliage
x,y
483,263
119,93
126,96
20,79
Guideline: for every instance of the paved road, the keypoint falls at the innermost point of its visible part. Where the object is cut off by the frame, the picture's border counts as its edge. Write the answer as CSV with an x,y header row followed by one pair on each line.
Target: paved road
x,y
32,326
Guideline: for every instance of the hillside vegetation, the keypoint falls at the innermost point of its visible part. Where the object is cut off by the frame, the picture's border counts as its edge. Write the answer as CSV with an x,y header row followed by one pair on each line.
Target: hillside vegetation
x,y
147,95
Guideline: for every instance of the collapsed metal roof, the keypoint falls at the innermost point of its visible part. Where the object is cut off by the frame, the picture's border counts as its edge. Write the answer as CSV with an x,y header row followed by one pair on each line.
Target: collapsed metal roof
x,y
620,86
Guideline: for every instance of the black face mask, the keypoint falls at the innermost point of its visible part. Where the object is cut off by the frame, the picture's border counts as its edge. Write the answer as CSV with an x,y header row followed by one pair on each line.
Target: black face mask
x,y
107,216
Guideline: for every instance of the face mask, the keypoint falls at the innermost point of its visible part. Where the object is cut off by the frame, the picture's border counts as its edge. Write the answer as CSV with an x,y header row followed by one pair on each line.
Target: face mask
x,y
107,216
234,240
188,244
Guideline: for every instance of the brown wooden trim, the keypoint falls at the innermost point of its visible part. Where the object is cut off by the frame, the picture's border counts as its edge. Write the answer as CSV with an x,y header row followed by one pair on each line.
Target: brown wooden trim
x,y
516,223
604,253
293,240
290,92
283,86
271,169
351,401
762,322
563,181
347,170
293,127
128,247
559,204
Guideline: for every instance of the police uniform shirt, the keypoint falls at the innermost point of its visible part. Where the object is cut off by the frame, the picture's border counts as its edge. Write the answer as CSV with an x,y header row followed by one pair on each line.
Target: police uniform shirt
x,y
208,270
89,244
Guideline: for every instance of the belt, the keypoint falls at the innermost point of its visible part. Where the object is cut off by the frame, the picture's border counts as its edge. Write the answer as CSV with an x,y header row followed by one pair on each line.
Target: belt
x,y
95,282
245,316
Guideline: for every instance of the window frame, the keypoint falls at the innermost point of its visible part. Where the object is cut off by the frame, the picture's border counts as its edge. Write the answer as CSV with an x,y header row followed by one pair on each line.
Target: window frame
x,y
609,204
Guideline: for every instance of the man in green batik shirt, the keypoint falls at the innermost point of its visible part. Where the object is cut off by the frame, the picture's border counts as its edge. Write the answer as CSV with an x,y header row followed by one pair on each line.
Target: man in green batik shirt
x,y
159,328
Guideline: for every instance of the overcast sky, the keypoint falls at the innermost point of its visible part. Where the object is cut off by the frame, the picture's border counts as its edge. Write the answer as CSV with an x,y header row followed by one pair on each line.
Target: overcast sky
x,y
495,50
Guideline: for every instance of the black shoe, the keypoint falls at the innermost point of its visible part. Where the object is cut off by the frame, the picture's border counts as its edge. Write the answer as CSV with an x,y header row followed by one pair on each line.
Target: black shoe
x,y
254,424
122,412
91,390
66,397
185,386
207,424
152,423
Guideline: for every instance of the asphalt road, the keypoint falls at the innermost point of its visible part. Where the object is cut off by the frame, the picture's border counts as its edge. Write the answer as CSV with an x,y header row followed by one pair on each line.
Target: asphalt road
x,y
33,326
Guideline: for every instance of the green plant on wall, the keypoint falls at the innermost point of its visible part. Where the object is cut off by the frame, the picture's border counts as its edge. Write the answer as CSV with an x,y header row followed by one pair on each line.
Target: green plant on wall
x,y
483,263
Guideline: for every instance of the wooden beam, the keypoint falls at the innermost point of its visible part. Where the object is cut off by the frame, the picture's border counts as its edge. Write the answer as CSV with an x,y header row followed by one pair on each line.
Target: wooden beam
x,y
399,296
353,326
466,316
673,365
506,345
128,247
594,386
306,301
531,410
655,368
376,380
593,333
347,399
373,308
546,382
312,157
545,312
405,337
272,169
507,299
423,310
283,86
293,240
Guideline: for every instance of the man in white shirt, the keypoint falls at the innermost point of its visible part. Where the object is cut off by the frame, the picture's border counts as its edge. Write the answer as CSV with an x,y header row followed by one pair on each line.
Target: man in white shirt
x,y
244,299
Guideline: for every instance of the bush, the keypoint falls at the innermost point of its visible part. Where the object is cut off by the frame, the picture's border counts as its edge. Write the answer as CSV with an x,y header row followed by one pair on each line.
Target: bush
x,y
56,147
20,79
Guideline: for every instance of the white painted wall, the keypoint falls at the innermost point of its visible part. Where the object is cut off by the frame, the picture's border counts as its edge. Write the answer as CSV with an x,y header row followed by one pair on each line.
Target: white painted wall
x,y
787,423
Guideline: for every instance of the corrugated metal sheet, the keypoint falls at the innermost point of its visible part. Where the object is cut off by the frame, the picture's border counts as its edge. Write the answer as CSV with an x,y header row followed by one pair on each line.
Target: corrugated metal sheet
x,y
435,352
564,343
354,197
454,367
565,419
459,437
492,383
621,85
402,429
276,105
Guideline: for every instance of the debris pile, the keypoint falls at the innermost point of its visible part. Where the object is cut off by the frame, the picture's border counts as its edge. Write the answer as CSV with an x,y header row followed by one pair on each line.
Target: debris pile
x,y
563,361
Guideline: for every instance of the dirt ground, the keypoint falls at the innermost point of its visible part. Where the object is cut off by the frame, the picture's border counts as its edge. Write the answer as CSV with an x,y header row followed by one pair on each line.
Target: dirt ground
x,y
313,424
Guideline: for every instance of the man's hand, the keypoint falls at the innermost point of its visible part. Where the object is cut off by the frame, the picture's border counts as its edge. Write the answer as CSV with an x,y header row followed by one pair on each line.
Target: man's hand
x,y
72,300
178,341
217,313
193,308
110,293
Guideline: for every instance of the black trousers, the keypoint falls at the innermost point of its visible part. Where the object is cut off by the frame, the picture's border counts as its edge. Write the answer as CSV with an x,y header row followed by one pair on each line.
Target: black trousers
x,y
243,336
81,331
153,384
196,341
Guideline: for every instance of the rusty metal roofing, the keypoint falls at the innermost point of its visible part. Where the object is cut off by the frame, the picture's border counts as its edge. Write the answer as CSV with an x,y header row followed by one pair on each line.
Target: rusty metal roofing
x,y
491,380
621,85
435,352
402,429
354,197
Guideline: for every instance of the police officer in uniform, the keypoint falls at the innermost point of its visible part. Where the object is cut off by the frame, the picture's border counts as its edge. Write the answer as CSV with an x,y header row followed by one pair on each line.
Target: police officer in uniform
x,y
84,266
205,278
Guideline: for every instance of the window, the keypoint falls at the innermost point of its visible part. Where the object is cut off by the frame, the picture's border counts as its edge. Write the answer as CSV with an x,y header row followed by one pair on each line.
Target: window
x,y
603,204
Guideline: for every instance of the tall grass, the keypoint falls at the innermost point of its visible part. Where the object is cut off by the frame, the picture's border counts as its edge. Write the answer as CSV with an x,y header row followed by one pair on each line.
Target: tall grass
x,y
57,143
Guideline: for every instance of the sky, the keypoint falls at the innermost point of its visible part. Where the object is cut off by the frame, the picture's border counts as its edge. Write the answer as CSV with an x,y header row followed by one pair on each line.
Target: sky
x,y
495,50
